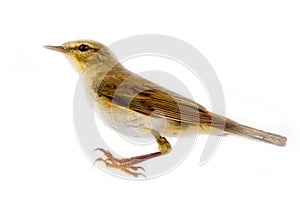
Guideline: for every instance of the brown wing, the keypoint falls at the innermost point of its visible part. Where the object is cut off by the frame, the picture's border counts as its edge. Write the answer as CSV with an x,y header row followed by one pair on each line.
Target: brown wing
x,y
143,96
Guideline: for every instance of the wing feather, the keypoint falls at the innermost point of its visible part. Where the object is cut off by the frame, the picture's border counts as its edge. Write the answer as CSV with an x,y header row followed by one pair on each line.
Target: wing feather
x,y
143,96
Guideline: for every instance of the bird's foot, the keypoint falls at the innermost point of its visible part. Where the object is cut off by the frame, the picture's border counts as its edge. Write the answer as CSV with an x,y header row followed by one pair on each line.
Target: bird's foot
x,y
124,164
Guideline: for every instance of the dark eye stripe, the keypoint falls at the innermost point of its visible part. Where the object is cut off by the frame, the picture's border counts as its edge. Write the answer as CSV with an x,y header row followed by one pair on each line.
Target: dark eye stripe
x,y
89,48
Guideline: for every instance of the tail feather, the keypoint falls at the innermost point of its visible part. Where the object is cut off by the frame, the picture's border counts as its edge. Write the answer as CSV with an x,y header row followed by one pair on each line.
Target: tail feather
x,y
233,127
257,134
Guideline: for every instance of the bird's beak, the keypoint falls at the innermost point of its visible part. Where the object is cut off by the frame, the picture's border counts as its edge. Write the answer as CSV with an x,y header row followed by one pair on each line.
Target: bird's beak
x,y
56,48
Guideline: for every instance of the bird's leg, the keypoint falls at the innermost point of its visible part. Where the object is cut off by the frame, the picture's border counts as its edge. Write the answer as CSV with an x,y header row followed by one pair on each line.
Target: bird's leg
x,y
128,164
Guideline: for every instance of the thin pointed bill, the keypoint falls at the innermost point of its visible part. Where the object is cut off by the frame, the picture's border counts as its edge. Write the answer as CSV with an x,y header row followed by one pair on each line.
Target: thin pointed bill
x,y
56,48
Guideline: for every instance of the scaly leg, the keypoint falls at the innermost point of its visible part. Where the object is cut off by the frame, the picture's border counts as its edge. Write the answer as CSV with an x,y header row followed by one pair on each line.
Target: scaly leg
x,y
127,164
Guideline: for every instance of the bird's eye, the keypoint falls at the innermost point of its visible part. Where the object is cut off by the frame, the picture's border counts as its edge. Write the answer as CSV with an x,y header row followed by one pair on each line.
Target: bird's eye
x,y
83,48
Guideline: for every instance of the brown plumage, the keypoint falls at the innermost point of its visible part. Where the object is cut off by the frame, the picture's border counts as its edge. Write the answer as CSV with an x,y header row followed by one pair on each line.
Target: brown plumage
x,y
146,97
113,86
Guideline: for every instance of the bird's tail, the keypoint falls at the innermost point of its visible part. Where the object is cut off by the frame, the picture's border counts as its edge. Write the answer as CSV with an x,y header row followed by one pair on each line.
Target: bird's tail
x,y
235,128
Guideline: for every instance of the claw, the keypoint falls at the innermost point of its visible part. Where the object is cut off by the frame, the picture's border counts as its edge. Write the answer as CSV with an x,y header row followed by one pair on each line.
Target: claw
x,y
99,149
98,160
121,164
106,153
135,168
134,174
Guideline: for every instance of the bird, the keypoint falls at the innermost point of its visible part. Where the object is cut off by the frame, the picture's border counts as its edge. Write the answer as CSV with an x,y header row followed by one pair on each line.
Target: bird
x,y
132,101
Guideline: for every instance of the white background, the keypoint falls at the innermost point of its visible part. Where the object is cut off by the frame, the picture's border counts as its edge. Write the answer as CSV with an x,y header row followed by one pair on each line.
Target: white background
x,y
254,48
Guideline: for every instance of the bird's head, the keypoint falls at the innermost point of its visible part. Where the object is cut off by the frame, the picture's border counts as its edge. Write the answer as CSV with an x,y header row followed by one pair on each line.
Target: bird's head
x,y
81,52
